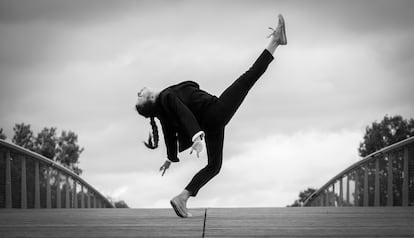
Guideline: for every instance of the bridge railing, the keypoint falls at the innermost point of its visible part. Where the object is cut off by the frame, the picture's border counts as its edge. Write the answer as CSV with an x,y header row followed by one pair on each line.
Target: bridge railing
x,y
383,178
29,180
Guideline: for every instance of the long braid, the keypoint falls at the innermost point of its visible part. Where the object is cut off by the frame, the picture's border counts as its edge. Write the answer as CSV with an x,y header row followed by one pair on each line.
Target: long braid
x,y
154,138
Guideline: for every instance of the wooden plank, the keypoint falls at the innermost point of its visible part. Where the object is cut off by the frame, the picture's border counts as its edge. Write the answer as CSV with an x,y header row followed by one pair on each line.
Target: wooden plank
x,y
220,222
8,180
23,185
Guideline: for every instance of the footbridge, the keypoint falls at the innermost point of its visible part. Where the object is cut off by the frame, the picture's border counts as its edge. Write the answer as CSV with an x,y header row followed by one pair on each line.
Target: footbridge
x,y
29,180
372,198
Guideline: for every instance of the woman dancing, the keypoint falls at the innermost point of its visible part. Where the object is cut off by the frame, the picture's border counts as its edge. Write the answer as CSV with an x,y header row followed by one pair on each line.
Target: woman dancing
x,y
189,115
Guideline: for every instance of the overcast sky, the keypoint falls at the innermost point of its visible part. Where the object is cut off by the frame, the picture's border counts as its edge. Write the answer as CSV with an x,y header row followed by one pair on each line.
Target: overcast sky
x,y
77,65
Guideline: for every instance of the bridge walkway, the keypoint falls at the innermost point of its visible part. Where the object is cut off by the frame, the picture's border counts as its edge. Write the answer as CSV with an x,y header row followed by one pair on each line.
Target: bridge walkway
x,y
210,222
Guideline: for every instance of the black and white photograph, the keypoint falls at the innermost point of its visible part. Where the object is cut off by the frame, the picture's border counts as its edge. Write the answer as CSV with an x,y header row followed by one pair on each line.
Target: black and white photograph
x,y
196,118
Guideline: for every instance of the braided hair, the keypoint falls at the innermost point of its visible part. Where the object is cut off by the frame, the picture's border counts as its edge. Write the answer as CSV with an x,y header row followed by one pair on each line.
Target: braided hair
x,y
152,138
146,111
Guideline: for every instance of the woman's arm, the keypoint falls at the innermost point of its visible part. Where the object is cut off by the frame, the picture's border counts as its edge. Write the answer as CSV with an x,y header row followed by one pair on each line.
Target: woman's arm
x,y
186,119
170,138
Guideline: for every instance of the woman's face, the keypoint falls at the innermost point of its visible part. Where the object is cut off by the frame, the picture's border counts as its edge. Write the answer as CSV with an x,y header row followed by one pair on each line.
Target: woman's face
x,y
144,95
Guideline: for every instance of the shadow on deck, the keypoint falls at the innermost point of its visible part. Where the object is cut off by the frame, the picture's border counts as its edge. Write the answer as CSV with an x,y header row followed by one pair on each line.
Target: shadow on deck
x,y
211,222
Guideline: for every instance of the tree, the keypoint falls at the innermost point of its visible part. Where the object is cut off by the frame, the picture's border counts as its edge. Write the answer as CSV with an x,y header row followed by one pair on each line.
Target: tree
x,y
45,143
121,204
63,149
23,136
2,135
117,204
390,130
303,195
68,151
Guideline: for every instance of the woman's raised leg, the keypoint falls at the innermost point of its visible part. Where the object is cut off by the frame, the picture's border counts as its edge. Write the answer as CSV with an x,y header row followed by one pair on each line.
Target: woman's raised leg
x,y
230,100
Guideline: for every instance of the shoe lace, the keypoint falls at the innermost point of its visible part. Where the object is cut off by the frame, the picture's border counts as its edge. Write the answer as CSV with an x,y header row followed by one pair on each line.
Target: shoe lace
x,y
273,33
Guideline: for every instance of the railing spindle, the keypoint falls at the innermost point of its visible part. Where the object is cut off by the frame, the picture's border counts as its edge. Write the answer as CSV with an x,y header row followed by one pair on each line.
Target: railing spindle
x,y
366,194
341,193
67,192
405,179
37,185
82,197
58,191
8,180
23,185
48,192
377,183
356,198
347,190
75,197
88,199
390,192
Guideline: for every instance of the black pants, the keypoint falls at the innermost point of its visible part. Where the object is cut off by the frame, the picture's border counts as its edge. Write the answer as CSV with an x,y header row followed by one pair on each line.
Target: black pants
x,y
219,114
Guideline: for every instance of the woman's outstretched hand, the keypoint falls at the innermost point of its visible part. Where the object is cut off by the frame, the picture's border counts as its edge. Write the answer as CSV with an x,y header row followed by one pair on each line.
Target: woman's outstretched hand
x,y
197,146
164,167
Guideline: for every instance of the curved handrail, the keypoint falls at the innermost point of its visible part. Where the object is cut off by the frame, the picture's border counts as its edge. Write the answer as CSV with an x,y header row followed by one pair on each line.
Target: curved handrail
x,y
365,160
53,164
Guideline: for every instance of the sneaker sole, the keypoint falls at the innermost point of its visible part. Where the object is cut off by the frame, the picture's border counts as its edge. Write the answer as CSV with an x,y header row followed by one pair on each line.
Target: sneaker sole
x,y
284,39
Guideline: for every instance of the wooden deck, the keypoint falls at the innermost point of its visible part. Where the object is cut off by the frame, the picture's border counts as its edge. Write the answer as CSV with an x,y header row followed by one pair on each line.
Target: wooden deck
x,y
211,222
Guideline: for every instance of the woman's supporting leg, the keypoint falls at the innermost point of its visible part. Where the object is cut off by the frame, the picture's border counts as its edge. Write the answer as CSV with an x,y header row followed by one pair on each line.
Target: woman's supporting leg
x,y
214,143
